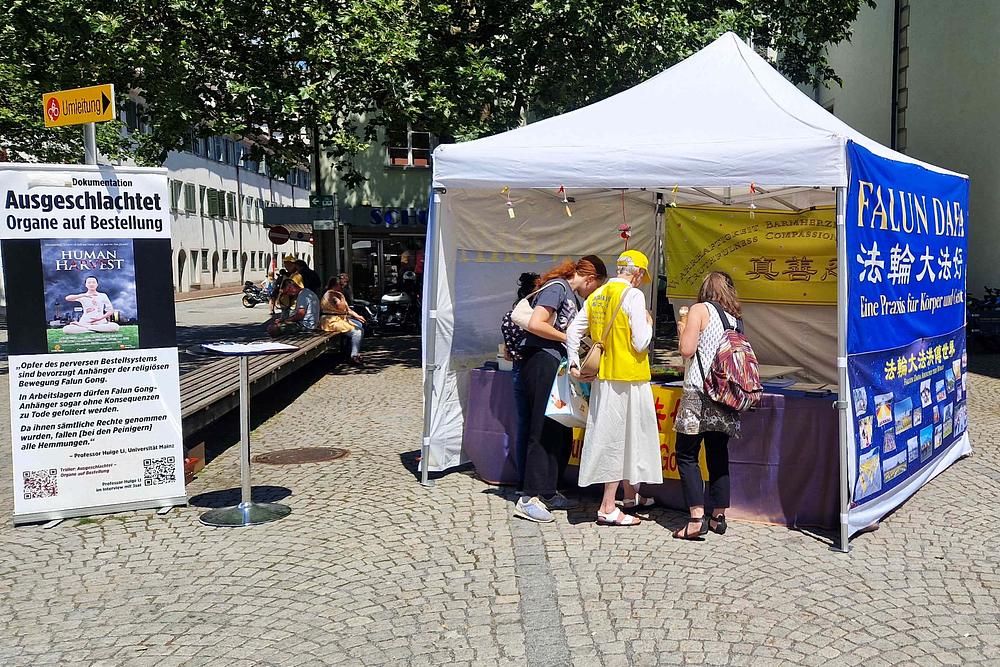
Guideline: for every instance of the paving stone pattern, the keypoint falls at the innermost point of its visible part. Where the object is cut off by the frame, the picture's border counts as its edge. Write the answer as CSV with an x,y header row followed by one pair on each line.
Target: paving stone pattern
x,y
371,568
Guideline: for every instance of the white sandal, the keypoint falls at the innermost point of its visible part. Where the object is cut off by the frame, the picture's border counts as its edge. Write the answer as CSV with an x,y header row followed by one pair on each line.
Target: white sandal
x,y
617,518
639,502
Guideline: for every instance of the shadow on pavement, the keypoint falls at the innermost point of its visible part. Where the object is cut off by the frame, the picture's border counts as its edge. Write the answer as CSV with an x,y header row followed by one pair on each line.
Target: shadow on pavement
x,y
411,461
230,497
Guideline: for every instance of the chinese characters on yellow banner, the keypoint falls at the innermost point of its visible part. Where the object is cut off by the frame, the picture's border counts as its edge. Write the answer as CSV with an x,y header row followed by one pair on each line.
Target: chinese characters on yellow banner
x,y
773,256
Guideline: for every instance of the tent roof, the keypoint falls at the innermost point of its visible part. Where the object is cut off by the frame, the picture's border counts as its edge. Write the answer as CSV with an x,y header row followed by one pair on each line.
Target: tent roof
x,y
720,118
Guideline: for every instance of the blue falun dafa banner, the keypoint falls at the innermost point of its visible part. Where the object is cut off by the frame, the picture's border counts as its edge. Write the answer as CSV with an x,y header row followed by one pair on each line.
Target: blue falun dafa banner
x,y
906,231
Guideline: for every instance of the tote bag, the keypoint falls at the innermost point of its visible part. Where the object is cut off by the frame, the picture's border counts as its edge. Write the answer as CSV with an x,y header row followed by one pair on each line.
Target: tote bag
x,y
567,403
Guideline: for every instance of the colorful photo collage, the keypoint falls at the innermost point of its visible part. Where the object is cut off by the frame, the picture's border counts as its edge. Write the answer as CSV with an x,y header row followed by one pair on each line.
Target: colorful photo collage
x,y
926,414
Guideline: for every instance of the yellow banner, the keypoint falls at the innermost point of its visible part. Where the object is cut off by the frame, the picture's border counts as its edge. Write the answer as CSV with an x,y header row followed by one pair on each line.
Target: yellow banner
x,y
666,400
773,256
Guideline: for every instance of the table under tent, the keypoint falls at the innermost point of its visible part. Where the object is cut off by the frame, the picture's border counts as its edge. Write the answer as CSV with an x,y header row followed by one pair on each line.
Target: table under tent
x,y
720,133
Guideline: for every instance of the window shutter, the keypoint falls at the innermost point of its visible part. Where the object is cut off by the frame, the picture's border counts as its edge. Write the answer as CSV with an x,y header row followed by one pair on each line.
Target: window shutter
x,y
213,202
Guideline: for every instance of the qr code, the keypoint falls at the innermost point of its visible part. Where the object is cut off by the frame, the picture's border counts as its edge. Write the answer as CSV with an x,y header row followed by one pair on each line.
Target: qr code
x,y
159,471
41,483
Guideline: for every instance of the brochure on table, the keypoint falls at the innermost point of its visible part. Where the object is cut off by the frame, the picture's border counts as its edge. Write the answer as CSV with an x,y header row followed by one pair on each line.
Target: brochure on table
x,y
94,393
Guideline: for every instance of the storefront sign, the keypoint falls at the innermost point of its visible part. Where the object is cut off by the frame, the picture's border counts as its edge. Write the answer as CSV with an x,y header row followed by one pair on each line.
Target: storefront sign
x,y
906,248
94,395
666,400
398,217
772,256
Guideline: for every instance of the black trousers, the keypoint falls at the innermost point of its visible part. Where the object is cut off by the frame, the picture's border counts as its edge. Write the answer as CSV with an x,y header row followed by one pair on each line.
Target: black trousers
x,y
717,458
548,442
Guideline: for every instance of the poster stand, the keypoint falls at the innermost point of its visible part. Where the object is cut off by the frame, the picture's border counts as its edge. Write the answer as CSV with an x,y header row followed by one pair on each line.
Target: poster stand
x,y
93,372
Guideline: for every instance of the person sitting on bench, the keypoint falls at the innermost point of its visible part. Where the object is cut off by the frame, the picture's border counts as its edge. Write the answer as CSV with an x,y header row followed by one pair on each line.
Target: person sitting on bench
x,y
304,315
339,318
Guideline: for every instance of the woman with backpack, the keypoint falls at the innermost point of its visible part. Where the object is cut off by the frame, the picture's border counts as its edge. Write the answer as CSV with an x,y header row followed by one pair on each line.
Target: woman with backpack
x,y
698,416
513,337
555,303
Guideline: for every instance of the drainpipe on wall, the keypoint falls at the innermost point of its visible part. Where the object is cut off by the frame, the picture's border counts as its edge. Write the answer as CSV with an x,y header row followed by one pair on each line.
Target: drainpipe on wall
x,y
894,110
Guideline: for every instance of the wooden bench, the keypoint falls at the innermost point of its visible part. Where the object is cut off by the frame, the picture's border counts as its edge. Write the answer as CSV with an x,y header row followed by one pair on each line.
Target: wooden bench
x,y
212,389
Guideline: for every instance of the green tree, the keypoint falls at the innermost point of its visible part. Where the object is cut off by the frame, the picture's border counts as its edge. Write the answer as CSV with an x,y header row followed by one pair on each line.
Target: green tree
x,y
486,66
265,72
269,72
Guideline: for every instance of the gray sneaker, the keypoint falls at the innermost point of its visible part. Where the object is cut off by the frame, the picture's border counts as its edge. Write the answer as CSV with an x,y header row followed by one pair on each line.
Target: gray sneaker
x,y
560,502
532,509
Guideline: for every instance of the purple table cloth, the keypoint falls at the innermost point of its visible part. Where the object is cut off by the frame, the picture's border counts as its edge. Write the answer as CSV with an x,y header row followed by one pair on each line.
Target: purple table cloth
x,y
784,468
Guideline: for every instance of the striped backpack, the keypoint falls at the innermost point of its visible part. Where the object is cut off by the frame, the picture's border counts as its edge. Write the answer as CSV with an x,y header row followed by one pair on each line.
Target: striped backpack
x,y
733,379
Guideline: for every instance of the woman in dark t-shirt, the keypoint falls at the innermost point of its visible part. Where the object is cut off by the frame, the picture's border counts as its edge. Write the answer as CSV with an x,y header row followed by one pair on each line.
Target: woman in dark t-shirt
x,y
548,442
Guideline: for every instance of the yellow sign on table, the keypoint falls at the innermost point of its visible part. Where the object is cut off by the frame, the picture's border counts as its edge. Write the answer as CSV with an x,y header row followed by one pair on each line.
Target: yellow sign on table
x,y
666,400
94,104
773,256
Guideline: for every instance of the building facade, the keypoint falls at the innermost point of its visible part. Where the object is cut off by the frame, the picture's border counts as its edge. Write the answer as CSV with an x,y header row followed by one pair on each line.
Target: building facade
x,y
217,202
383,221
922,77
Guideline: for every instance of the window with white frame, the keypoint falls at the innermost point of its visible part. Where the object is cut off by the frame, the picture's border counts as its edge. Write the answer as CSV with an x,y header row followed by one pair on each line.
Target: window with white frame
x,y
231,204
225,260
408,148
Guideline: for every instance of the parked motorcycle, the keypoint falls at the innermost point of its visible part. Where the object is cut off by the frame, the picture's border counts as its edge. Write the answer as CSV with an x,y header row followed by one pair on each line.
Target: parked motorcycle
x,y
368,311
983,317
253,294
399,310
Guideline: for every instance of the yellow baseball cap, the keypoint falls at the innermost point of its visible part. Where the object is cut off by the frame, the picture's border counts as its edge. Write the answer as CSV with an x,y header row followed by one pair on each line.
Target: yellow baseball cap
x,y
635,258
289,258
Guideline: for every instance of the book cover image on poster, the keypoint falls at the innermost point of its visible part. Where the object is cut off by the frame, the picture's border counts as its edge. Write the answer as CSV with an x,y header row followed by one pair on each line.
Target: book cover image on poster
x,y
89,288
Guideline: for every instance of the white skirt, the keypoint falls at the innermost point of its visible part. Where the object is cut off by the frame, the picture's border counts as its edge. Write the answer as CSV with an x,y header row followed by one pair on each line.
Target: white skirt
x,y
622,441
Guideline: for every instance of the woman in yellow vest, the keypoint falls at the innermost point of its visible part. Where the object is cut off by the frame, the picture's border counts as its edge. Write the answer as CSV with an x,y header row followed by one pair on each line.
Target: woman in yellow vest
x,y
622,443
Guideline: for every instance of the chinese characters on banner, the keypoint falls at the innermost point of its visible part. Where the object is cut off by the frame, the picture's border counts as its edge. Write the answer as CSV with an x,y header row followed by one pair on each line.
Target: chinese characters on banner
x,y
772,256
906,242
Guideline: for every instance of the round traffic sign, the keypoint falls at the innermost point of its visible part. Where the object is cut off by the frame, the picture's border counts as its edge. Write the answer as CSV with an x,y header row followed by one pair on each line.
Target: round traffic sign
x,y
277,235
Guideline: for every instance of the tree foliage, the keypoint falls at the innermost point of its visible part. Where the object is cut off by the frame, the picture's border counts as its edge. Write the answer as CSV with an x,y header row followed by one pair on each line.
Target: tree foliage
x,y
269,72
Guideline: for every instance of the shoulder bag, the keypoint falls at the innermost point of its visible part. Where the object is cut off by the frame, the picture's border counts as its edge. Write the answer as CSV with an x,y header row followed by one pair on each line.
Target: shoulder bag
x,y
591,363
521,313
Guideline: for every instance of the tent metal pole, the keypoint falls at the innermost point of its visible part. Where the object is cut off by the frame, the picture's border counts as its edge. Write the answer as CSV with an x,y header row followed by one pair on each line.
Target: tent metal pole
x,y
432,259
842,384
657,259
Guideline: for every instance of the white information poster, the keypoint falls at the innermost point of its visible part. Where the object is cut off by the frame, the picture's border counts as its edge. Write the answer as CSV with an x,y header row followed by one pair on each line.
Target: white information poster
x,y
95,429
94,386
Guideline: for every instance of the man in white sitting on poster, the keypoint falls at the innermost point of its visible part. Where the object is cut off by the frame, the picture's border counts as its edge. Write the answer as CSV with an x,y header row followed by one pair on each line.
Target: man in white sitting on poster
x,y
97,311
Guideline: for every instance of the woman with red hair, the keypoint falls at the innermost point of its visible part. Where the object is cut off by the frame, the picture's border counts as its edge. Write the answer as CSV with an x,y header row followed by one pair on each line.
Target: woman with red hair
x,y
548,442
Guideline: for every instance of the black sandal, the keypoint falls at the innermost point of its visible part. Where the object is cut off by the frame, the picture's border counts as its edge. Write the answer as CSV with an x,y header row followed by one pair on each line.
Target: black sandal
x,y
684,534
720,524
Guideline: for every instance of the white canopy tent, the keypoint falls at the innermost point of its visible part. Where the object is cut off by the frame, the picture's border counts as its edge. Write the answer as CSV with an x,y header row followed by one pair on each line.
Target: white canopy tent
x,y
699,134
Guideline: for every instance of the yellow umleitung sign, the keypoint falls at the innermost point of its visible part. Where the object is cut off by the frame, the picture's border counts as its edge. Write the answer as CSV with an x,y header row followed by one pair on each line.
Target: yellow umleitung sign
x,y
772,256
94,104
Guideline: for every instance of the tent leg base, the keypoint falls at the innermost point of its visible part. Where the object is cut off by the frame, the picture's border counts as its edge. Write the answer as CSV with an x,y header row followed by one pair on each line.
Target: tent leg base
x,y
427,483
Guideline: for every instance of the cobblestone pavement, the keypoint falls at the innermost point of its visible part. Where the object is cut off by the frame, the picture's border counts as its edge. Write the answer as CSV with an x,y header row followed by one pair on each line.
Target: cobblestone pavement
x,y
371,568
